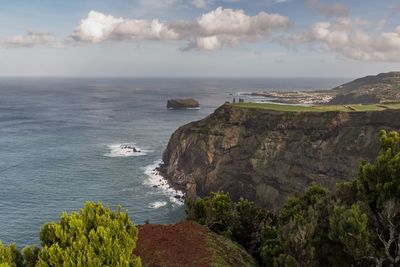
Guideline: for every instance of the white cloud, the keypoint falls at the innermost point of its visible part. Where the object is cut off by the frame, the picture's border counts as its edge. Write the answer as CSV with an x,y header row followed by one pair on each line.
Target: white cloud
x,y
336,9
228,27
211,31
350,39
208,43
98,27
30,39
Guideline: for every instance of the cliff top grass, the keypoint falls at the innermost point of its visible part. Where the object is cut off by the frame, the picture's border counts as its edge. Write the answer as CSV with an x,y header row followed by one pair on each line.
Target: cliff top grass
x,y
321,108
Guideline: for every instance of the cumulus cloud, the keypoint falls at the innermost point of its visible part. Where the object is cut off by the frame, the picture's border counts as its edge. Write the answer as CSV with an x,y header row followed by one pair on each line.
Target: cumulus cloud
x,y
211,31
335,10
350,39
223,27
97,28
30,39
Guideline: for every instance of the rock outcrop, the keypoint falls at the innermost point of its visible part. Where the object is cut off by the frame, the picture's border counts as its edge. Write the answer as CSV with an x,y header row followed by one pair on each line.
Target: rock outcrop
x,y
266,155
182,103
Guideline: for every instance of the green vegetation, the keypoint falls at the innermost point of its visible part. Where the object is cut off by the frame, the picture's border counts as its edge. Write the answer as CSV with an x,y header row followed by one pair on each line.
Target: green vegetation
x,y
10,256
322,108
96,236
358,224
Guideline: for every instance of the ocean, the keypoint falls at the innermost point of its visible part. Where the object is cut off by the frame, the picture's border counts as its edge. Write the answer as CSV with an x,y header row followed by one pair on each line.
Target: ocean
x,y
62,143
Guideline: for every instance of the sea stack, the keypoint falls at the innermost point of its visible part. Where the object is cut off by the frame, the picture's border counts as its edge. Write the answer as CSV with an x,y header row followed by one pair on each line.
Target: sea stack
x,y
188,103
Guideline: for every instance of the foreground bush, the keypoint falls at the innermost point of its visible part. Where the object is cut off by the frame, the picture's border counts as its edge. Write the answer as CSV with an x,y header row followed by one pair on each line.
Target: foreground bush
x,y
95,236
10,256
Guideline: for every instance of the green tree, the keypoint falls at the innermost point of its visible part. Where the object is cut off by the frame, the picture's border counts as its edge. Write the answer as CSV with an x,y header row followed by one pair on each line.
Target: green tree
x,y
350,227
96,236
250,225
303,225
379,181
216,212
378,184
243,222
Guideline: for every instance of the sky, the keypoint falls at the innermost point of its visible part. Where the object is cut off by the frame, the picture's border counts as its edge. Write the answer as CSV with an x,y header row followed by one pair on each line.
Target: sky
x,y
199,38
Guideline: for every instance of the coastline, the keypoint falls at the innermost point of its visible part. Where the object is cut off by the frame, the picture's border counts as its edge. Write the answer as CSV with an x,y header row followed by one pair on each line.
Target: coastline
x,y
157,180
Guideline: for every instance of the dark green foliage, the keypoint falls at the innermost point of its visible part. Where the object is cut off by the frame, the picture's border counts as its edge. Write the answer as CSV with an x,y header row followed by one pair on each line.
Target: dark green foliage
x,y
378,184
242,221
285,260
216,212
346,193
349,226
31,256
95,236
290,238
303,224
379,181
271,245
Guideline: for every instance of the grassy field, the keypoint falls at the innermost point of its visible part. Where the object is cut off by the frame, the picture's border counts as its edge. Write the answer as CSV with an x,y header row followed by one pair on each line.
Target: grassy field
x,y
342,108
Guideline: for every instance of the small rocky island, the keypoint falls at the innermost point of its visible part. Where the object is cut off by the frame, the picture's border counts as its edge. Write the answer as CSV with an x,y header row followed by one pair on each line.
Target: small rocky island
x,y
188,103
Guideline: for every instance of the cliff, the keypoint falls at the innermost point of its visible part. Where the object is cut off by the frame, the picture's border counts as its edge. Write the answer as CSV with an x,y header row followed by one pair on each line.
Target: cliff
x,y
265,155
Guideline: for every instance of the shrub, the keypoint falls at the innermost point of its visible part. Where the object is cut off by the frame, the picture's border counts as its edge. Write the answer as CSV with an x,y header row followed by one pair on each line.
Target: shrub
x,y
96,236
349,226
10,256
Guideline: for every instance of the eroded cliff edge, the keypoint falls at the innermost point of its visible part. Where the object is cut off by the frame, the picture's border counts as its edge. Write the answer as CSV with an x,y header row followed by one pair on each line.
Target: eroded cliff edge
x,y
266,155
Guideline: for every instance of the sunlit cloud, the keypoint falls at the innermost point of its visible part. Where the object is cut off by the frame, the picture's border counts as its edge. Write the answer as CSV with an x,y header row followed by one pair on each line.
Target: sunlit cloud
x,y
211,31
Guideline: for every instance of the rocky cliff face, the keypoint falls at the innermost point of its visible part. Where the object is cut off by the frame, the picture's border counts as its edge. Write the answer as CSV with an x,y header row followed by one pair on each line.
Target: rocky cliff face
x,y
266,155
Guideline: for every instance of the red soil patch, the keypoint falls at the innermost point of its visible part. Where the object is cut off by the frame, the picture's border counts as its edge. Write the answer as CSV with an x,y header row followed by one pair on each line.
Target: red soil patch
x,y
182,244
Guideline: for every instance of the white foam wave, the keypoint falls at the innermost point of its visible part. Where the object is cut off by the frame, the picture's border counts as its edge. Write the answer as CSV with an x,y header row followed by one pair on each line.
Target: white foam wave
x,y
155,180
157,204
126,150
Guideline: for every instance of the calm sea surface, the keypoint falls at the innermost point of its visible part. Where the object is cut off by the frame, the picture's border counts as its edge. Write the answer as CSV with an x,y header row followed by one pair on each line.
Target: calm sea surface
x,y
60,144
